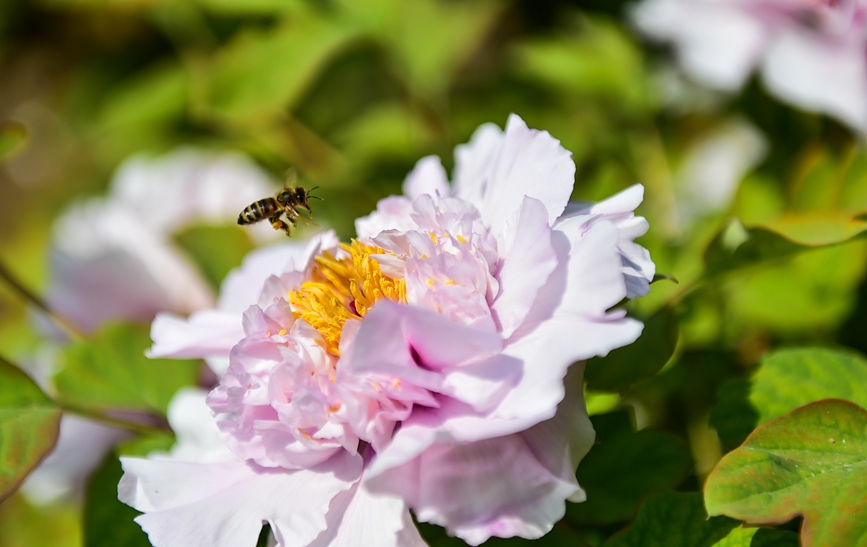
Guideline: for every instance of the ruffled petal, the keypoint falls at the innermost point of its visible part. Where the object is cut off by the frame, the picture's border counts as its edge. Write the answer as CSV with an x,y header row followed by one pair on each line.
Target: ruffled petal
x,y
392,213
207,333
528,260
427,177
358,518
473,163
526,162
224,504
637,267
463,488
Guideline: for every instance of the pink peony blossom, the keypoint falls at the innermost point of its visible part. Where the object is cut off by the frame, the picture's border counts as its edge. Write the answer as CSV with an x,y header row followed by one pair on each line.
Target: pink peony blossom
x,y
423,366
813,53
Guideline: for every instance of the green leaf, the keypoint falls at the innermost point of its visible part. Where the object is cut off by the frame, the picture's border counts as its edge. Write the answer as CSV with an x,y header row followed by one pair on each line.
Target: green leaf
x,y
154,95
29,425
427,58
811,462
597,59
792,378
110,371
430,57
738,246
759,537
215,249
107,522
262,73
625,466
641,359
24,525
809,292
248,7
668,519
734,417
787,380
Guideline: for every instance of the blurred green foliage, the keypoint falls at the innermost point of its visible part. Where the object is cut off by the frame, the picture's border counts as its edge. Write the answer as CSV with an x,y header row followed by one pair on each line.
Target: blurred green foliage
x,y
352,94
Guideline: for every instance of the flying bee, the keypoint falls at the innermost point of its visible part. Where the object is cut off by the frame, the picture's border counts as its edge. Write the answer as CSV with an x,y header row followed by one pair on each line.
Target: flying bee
x,y
287,202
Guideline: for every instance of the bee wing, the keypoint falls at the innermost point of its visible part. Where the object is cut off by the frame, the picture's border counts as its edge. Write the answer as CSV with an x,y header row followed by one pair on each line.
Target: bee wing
x,y
307,220
290,178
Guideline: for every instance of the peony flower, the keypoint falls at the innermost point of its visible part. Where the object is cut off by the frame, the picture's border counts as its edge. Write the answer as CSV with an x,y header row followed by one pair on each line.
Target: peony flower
x,y
813,53
112,258
421,366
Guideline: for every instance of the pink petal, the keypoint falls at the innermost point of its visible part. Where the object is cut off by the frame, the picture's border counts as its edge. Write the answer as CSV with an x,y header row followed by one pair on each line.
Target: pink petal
x,y
718,43
243,285
473,163
427,177
113,285
820,74
527,162
358,518
392,213
497,487
389,330
528,260
637,267
224,505
207,333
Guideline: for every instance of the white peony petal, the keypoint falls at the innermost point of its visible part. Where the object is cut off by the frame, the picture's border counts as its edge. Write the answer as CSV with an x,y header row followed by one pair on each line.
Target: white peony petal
x,y
528,260
358,518
820,74
427,177
528,162
717,43
224,504
207,333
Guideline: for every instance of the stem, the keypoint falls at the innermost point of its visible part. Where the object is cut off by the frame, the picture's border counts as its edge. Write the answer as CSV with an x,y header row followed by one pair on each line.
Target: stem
x,y
119,423
31,297
94,415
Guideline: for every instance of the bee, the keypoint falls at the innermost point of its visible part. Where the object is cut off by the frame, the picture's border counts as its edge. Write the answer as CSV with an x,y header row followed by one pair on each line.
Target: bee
x,y
287,202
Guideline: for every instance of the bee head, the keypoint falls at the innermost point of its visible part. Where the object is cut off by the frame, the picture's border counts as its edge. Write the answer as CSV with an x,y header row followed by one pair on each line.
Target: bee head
x,y
301,197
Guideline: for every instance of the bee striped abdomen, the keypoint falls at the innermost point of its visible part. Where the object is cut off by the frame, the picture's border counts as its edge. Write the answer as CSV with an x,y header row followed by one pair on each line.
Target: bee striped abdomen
x,y
259,210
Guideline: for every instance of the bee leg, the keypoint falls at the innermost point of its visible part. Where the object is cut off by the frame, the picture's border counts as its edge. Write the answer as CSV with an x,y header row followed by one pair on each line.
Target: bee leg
x,y
280,225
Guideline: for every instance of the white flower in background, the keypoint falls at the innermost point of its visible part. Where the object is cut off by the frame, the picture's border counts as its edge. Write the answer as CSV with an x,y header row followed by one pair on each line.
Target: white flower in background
x,y
713,167
812,53
113,258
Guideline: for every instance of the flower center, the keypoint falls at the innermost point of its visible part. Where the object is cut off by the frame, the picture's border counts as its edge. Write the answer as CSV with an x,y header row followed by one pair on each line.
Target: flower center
x,y
343,289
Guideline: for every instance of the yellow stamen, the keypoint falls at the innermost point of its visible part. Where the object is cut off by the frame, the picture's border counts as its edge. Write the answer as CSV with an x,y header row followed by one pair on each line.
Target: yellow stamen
x,y
343,289
433,237
461,238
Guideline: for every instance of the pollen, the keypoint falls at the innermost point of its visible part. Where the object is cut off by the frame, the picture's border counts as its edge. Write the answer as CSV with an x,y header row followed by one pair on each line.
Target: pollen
x,y
343,289
461,238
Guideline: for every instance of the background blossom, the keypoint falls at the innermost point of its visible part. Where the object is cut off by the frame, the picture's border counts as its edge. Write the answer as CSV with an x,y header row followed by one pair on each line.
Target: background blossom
x,y
113,259
811,54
